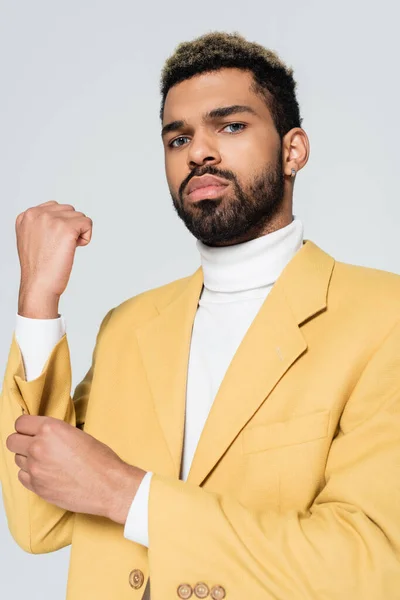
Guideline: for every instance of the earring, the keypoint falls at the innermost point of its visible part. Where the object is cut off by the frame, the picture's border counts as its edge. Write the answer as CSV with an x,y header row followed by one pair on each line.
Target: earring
x,y
293,172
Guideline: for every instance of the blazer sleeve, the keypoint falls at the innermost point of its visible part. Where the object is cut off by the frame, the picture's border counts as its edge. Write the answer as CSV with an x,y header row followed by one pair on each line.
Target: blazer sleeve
x,y
347,545
38,526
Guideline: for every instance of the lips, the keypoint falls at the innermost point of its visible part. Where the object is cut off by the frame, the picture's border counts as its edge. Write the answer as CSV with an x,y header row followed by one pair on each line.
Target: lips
x,y
204,181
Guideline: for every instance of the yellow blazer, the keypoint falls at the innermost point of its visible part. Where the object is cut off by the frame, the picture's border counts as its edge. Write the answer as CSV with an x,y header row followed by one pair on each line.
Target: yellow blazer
x,y
294,490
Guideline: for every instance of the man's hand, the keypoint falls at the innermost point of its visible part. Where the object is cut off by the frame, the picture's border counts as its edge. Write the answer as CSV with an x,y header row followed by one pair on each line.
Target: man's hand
x,y
71,469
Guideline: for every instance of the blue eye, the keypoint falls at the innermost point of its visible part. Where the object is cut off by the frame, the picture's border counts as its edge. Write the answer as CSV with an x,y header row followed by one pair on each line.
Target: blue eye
x,y
183,137
232,124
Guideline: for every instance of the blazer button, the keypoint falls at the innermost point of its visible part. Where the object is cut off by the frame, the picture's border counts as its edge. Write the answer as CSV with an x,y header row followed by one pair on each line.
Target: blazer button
x,y
201,590
185,591
218,592
136,578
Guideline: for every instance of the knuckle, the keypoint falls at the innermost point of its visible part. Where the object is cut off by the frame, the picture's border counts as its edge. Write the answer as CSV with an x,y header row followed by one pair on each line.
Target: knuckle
x,y
46,216
30,212
34,469
36,449
48,202
47,427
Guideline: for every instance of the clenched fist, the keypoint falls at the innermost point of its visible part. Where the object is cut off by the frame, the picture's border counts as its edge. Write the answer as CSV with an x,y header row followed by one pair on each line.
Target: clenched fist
x,y
47,238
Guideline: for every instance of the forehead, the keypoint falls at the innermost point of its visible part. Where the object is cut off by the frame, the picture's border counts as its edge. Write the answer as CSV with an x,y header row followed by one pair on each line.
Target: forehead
x,y
191,98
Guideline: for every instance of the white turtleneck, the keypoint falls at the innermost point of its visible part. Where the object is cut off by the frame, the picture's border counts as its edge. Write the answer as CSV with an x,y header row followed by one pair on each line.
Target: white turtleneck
x,y
237,279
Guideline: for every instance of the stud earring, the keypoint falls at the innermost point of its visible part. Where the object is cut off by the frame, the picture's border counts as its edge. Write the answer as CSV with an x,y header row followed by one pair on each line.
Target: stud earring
x,y
293,172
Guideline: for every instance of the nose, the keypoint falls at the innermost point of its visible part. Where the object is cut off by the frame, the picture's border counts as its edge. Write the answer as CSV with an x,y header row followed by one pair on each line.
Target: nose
x,y
202,149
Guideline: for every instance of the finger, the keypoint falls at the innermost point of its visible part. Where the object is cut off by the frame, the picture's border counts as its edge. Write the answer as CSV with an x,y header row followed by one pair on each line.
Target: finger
x,y
85,236
48,202
25,479
21,461
57,207
19,443
29,424
68,214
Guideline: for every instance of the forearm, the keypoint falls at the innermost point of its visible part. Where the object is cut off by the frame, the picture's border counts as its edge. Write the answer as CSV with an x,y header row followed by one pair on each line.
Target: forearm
x,y
335,551
124,485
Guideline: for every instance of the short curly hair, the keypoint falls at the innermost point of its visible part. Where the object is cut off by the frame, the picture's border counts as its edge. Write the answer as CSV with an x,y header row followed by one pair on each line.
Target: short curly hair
x,y
212,51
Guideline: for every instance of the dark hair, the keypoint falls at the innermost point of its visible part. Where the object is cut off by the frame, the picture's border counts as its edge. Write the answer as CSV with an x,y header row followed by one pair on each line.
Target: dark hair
x,y
273,80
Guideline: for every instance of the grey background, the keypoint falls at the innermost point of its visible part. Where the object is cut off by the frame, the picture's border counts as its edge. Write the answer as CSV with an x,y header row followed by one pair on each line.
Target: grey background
x,y
79,109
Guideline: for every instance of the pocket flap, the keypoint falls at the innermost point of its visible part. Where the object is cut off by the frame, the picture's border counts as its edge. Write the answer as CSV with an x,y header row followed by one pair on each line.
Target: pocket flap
x,y
297,430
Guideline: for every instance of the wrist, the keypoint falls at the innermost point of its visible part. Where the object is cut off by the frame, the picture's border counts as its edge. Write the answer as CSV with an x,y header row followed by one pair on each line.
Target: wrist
x,y
34,303
123,492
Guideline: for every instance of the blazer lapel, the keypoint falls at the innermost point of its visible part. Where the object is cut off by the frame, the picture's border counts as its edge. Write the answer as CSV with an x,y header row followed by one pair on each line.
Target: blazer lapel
x,y
271,345
164,344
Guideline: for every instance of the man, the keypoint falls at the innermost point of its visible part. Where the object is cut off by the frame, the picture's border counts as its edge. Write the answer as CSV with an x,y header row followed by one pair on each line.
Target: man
x,y
238,432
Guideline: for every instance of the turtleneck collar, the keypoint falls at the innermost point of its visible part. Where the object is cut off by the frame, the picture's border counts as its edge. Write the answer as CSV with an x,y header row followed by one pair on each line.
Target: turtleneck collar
x,y
251,264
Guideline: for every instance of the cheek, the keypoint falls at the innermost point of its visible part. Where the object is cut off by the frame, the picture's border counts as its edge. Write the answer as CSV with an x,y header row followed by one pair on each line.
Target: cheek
x,y
244,158
174,174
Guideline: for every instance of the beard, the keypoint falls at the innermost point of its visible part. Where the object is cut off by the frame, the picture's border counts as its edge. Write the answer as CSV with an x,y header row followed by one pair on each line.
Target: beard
x,y
237,214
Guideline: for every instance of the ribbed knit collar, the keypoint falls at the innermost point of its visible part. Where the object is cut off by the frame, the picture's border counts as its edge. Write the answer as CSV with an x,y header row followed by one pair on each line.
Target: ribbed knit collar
x,y
251,264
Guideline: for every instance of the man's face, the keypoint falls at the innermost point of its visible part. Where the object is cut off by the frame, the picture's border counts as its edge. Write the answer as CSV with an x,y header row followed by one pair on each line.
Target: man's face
x,y
242,147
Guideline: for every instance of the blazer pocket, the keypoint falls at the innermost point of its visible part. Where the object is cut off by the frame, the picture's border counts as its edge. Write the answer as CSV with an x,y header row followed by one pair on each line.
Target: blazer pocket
x,y
297,430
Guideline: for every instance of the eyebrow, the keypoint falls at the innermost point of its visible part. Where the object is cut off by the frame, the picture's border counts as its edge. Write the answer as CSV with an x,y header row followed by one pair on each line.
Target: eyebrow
x,y
222,111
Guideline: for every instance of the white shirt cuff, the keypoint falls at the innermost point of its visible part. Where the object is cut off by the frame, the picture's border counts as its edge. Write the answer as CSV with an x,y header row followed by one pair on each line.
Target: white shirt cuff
x,y
36,339
136,525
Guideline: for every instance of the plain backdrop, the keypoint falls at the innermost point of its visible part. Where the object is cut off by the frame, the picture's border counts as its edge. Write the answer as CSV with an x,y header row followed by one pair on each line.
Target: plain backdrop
x,y
79,106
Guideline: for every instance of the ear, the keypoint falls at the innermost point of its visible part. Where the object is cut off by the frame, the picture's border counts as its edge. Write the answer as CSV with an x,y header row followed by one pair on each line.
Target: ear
x,y
295,150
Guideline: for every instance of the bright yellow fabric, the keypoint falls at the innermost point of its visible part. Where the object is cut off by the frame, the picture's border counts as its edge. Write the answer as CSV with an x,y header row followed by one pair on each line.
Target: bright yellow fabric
x,y
294,490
